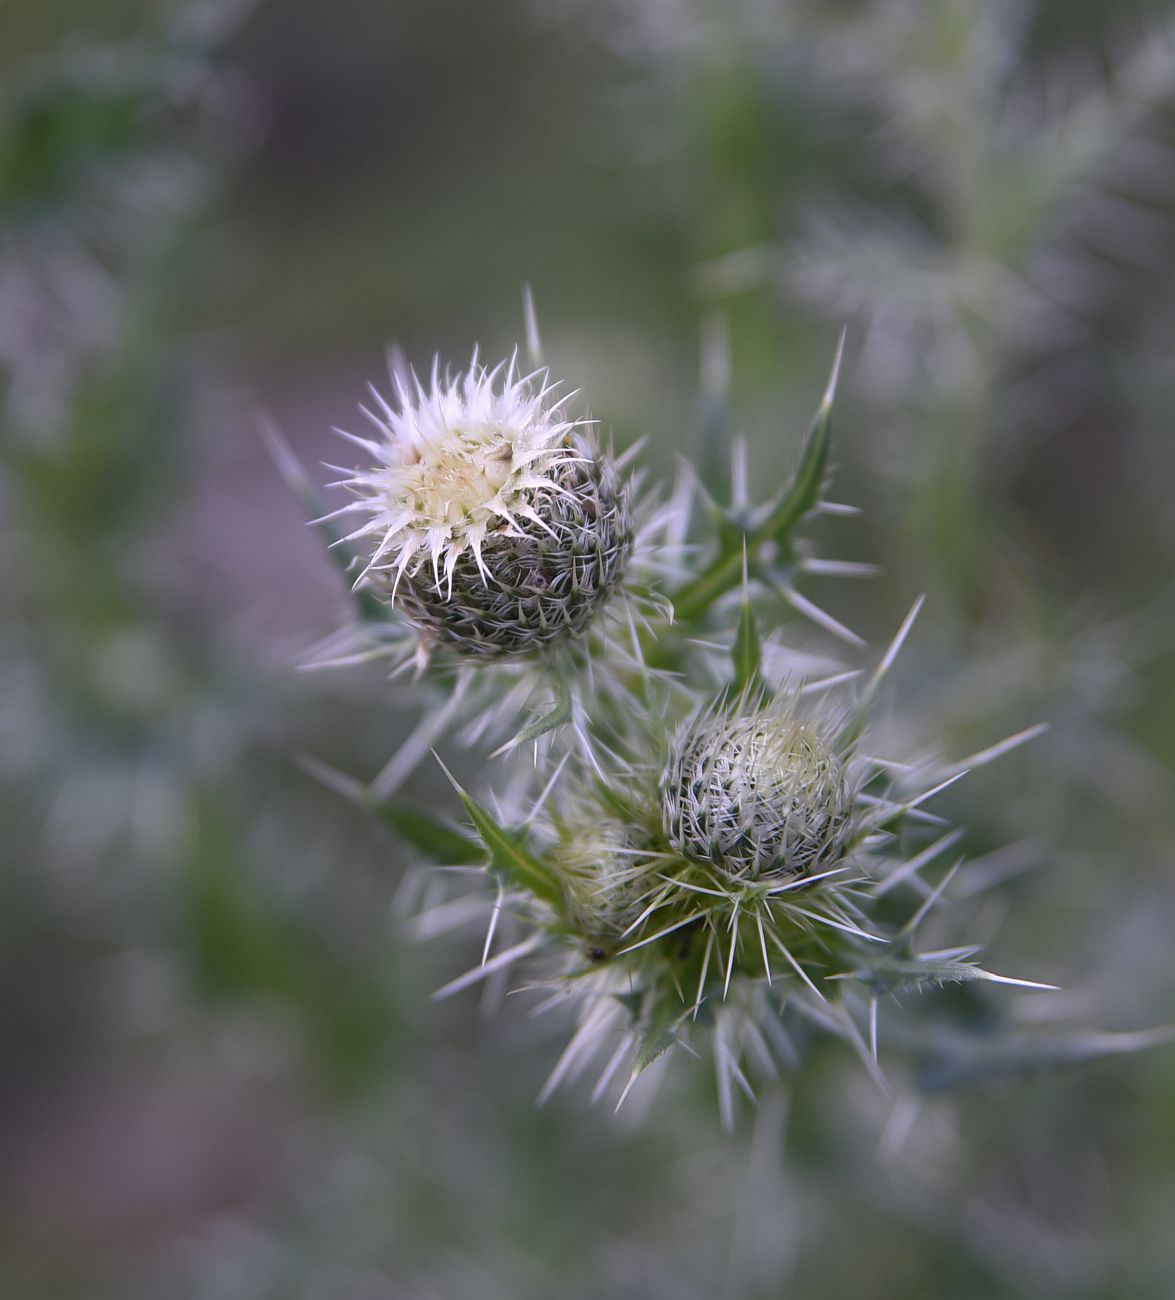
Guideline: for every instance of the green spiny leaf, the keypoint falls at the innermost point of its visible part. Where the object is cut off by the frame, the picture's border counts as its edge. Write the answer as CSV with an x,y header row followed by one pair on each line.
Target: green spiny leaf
x,y
509,855
437,841
658,1033
802,494
748,650
891,974
800,497
558,714
432,837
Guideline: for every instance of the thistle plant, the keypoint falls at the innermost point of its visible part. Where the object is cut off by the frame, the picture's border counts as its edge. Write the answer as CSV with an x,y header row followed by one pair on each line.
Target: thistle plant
x,y
724,840
724,857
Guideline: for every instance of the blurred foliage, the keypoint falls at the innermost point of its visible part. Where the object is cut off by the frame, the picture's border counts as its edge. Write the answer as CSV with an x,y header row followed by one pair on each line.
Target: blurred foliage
x,y
223,1078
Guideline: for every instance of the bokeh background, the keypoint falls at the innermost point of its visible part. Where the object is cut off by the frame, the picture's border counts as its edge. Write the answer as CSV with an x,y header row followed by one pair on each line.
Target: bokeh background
x,y
221,1074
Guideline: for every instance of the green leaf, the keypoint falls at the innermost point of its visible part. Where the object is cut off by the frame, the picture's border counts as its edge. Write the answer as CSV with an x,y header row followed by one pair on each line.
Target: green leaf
x,y
433,838
891,974
556,716
437,841
802,495
658,1033
631,1002
509,855
748,650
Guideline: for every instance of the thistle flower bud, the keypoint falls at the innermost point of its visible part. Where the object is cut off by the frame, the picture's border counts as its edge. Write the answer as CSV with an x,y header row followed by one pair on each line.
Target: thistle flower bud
x,y
757,794
604,886
496,522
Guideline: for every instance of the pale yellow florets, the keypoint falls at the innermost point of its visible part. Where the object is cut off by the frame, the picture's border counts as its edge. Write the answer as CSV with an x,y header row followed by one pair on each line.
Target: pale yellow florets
x,y
457,462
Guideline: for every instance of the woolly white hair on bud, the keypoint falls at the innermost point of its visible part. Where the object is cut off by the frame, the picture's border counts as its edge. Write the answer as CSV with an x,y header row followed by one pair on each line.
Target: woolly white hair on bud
x,y
756,792
493,519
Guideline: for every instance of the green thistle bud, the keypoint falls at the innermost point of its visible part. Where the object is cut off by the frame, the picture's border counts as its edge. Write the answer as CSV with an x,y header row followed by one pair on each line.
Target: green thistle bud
x,y
604,883
756,794
498,525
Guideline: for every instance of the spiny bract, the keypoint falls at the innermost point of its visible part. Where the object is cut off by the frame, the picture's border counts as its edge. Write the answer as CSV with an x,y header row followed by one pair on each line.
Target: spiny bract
x,y
496,522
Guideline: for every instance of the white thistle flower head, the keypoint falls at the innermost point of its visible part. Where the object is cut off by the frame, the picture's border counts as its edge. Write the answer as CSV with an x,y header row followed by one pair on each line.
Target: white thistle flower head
x,y
493,518
759,793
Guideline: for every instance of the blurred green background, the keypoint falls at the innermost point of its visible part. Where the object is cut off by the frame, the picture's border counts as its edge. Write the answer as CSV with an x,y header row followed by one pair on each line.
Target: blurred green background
x,y
221,1076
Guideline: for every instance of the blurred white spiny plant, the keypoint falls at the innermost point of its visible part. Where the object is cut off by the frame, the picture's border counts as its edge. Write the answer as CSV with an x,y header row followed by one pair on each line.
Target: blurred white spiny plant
x,y
1022,204
723,855
998,210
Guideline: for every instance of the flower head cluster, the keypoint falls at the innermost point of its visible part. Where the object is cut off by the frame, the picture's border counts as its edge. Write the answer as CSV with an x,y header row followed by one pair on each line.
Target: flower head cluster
x,y
493,518
721,877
